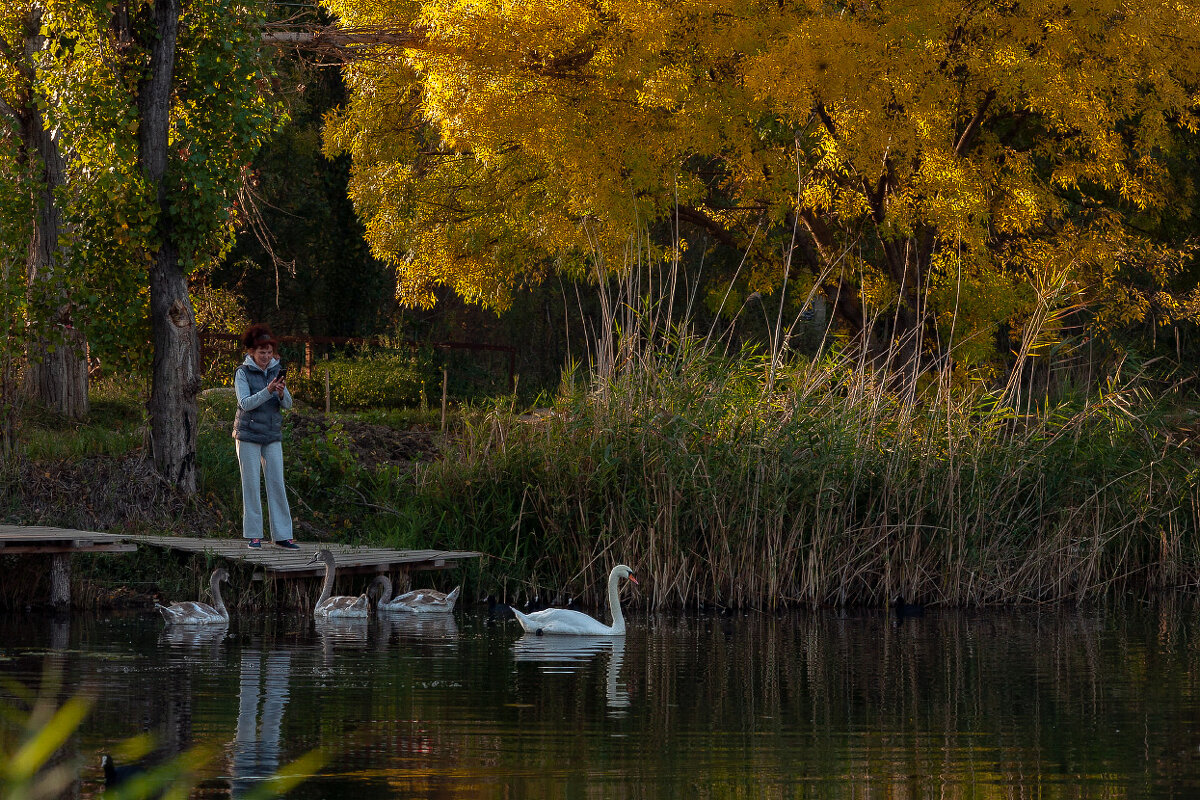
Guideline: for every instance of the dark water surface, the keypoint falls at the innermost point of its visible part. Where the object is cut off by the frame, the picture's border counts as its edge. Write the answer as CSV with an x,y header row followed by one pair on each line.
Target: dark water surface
x,y
1025,704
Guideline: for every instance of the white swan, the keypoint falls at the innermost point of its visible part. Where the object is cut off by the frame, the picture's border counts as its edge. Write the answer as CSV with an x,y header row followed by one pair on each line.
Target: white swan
x,y
418,601
193,612
338,606
565,621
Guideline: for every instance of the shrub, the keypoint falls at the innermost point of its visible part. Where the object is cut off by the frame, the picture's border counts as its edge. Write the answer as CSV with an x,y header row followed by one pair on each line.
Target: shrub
x,y
367,381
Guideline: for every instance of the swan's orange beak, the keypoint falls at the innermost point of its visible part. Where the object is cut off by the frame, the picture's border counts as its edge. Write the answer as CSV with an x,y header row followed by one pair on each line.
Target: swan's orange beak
x,y
635,580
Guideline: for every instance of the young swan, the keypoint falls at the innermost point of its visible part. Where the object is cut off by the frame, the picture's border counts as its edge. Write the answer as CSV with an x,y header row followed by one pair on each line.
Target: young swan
x,y
418,601
338,606
565,621
193,612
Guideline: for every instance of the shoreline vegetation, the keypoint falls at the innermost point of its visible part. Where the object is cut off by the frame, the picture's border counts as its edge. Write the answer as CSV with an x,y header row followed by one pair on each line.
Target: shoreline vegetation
x,y
814,486
730,481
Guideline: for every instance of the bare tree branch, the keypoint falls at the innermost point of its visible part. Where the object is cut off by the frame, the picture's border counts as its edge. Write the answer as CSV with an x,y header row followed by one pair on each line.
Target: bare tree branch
x,y
972,130
343,44
702,220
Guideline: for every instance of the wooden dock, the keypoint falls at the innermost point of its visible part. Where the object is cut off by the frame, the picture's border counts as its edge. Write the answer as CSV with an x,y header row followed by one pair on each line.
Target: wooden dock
x,y
274,562
298,563
23,540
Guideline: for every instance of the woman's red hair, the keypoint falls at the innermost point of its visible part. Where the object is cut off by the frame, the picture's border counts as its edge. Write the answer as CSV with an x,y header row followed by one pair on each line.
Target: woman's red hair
x,y
257,335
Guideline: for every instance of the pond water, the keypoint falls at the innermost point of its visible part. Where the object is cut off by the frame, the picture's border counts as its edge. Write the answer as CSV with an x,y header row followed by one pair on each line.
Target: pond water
x,y
1021,704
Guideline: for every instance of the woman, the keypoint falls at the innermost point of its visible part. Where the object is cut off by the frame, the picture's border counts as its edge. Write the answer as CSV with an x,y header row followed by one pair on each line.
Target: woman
x,y
258,428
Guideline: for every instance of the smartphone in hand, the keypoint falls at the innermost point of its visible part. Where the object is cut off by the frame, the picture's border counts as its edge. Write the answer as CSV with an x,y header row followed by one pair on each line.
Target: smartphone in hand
x,y
282,376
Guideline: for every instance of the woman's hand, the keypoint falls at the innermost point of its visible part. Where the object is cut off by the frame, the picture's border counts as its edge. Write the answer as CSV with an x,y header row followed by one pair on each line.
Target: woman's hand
x,y
277,387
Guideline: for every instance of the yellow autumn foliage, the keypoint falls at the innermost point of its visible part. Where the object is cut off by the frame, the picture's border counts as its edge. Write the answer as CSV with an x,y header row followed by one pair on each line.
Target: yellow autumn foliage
x,y
995,148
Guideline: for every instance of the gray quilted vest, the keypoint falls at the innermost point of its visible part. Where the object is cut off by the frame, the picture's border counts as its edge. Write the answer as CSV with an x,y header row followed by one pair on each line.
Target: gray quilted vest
x,y
265,423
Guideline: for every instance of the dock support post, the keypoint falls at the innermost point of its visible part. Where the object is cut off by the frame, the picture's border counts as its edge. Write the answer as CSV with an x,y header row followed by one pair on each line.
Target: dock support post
x,y
60,580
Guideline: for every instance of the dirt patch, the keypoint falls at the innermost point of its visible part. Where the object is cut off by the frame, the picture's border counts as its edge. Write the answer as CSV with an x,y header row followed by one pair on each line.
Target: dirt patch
x,y
371,445
105,492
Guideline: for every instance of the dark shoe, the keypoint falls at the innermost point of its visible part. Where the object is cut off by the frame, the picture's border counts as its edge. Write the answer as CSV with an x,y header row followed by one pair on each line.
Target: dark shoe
x,y
254,543
288,544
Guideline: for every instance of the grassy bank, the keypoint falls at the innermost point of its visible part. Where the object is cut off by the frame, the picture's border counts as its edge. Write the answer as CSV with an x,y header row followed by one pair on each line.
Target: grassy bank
x,y
722,480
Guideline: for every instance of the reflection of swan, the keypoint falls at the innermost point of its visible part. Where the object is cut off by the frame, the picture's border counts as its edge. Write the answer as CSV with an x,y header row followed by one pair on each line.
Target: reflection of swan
x,y
195,637
338,605
562,620
426,626
562,655
340,633
343,632
418,601
193,612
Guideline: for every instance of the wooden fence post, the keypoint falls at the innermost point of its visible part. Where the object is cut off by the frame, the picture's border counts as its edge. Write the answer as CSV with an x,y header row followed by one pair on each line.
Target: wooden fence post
x,y
445,373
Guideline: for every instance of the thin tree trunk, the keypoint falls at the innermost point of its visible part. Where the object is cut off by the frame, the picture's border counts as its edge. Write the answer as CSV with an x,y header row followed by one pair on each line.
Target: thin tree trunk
x,y
56,375
176,377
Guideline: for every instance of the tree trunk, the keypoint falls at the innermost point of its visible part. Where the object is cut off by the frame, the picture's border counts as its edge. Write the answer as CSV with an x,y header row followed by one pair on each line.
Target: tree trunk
x,y
56,375
60,580
176,377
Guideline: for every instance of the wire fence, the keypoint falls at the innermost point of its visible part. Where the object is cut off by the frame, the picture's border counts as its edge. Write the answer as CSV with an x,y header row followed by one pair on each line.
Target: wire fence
x,y
480,371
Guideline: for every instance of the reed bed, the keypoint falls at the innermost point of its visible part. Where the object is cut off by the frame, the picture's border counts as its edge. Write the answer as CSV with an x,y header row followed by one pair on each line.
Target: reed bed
x,y
751,481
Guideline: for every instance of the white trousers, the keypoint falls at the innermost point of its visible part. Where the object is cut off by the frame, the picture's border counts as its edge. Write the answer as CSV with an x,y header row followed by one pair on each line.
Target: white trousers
x,y
253,457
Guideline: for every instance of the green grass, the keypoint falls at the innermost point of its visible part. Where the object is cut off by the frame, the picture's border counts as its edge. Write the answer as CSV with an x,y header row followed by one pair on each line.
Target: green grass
x,y
115,426
406,418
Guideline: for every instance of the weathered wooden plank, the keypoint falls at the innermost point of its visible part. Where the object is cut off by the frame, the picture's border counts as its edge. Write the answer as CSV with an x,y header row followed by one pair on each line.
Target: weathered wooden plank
x,y
54,547
298,563
35,533
277,561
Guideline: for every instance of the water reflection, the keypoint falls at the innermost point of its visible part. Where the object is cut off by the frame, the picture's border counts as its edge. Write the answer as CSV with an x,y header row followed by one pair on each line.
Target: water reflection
x,y
262,697
569,654
339,635
342,634
421,626
1054,705
195,640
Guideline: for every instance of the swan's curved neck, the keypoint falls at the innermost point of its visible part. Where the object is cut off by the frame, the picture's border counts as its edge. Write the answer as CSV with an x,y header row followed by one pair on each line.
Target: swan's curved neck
x,y
327,588
614,603
385,591
214,584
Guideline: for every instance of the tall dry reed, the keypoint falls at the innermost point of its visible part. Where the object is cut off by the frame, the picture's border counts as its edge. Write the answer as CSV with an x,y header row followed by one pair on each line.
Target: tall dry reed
x,y
760,478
